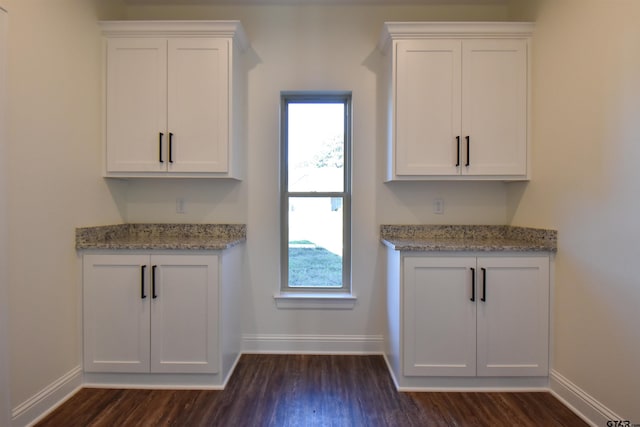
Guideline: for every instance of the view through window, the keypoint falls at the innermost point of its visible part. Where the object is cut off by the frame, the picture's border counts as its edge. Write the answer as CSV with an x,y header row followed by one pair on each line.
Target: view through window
x,y
316,192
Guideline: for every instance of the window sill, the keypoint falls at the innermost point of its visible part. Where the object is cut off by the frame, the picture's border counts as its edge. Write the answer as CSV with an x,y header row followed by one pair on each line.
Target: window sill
x,y
341,301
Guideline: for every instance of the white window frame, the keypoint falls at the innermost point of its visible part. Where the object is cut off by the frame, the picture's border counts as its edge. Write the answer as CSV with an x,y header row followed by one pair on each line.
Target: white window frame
x,y
313,294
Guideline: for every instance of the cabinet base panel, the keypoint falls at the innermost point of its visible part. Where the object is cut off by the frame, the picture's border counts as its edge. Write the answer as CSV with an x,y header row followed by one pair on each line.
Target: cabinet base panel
x,y
154,381
485,384
160,381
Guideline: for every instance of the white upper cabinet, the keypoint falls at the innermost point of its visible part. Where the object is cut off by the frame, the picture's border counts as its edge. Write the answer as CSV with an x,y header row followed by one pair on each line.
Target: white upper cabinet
x,y
427,107
494,107
457,100
198,111
136,105
174,99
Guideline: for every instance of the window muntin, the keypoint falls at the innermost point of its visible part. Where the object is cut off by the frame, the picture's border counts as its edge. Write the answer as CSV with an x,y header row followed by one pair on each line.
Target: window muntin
x,y
315,191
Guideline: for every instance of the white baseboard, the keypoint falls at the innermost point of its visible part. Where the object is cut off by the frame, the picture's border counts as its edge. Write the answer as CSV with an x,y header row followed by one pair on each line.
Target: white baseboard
x,y
585,406
153,381
313,344
49,398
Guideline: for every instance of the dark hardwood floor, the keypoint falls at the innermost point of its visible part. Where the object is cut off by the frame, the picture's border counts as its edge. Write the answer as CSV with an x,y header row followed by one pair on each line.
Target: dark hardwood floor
x,y
304,390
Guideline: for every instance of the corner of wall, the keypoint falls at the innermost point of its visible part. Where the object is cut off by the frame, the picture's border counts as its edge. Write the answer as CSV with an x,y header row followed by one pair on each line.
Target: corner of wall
x,y
46,400
523,10
579,401
4,225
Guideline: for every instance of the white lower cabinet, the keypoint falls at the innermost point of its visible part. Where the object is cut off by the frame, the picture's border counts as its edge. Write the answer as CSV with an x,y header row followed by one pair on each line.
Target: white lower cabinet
x,y
475,316
150,313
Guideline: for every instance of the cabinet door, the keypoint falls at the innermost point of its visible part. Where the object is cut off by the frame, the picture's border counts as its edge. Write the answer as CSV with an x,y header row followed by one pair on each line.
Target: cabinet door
x,y
513,319
136,105
184,312
427,101
439,316
198,90
116,313
494,107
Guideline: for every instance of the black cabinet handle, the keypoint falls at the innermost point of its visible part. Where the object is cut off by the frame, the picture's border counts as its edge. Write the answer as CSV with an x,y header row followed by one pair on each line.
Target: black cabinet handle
x,y
458,157
468,151
170,147
160,147
473,284
142,271
153,282
484,285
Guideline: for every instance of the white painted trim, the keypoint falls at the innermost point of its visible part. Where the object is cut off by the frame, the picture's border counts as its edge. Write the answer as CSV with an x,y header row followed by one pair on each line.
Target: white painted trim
x,y
228,29
579,401
312,344
145,386
303,300
512,387
552,304
416,30
46,400
391,373
226,379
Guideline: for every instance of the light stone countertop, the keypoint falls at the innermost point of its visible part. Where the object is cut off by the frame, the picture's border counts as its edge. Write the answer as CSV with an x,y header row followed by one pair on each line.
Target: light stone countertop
x,y
161,236
468,238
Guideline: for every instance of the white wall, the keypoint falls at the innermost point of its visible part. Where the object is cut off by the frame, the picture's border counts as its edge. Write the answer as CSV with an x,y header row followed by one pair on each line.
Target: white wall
x,y
586,140
315,48
54,159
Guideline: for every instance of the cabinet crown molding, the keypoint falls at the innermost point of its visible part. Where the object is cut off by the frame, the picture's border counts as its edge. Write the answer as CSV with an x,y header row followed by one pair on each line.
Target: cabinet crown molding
x,y
417,30
224,29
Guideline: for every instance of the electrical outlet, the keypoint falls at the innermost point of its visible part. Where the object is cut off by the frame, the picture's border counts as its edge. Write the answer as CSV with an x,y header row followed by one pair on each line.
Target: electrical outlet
x,y
180,206
438,206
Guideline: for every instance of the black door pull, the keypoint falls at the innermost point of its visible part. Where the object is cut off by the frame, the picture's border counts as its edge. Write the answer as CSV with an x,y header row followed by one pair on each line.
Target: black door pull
x,y
458,157
154,295
142,271
468,151
484,285
473,284
170,147
160,159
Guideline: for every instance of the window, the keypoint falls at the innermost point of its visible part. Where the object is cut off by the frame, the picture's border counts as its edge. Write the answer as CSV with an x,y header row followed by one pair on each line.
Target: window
x,y
316,192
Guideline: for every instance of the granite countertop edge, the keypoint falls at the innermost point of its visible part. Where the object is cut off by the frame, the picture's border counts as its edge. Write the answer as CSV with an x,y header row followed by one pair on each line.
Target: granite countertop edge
x,y
161,236
467,238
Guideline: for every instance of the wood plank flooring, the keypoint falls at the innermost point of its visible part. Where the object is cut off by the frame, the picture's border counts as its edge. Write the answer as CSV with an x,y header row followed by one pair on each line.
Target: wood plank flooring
x,y
305,390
